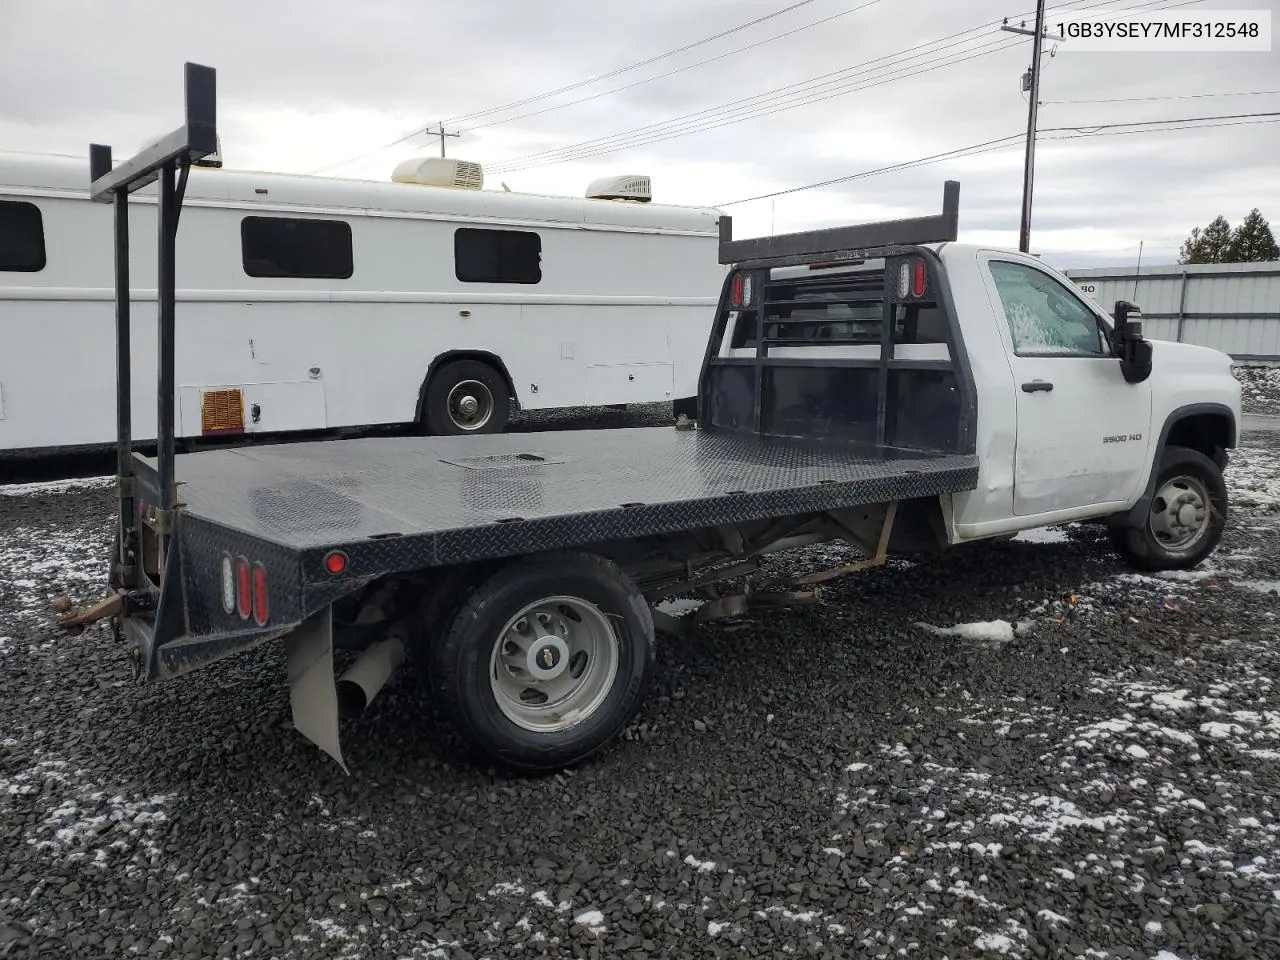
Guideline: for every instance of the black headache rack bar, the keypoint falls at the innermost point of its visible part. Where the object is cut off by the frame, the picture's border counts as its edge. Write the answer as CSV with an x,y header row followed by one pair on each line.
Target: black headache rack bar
x,y
168,160
843,243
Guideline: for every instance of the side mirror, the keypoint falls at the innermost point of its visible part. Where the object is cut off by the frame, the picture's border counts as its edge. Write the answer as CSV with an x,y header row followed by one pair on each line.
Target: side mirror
x,y
1128,343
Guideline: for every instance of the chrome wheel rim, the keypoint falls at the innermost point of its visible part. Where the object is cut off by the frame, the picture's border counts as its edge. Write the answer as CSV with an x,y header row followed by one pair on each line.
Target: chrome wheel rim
x,y
553,664
470,405
1180,513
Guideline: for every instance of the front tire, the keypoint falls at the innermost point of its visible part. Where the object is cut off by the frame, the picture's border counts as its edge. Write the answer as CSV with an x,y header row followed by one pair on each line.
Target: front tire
x,y
547,661
466,396
1187,515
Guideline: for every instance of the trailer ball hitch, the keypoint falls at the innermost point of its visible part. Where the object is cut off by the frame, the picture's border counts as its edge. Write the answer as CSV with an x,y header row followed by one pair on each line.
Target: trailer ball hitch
x,y
74,623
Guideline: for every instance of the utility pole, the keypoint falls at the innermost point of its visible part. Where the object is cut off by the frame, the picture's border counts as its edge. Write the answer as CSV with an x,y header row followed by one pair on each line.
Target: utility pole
x,y
1028,170
441,134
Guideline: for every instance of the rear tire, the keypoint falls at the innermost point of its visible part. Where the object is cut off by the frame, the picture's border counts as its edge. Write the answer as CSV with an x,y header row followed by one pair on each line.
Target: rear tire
x,y
1186,517
466,396
546,662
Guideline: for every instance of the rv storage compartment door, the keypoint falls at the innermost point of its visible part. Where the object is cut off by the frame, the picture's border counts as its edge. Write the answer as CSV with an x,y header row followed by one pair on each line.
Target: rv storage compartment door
x,y
628,382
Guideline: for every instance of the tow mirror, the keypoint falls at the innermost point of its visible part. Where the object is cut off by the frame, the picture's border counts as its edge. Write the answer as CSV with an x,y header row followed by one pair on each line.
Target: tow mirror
x,y
1129,344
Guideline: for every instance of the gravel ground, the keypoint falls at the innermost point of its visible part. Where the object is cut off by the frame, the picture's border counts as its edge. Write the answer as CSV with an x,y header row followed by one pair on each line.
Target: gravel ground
x,y
1260,389
1015,749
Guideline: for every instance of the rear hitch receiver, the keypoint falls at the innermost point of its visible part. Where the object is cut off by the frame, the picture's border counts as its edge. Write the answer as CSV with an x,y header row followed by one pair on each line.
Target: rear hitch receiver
x,y
75,622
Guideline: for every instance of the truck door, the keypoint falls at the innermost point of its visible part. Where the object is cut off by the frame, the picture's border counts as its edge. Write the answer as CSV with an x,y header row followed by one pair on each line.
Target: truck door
x,y
1082,431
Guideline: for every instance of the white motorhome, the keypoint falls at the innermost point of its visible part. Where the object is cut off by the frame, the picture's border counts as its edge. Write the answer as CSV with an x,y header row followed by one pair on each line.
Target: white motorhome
x,y
313,303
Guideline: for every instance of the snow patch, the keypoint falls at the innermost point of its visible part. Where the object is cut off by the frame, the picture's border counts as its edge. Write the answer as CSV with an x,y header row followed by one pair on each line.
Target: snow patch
x,y
679,606
1044,535
702,866
56,486
985,631
593,920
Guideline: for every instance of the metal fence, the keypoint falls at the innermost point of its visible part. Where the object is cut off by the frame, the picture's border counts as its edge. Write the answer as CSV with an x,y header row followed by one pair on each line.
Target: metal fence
x,y
1232,307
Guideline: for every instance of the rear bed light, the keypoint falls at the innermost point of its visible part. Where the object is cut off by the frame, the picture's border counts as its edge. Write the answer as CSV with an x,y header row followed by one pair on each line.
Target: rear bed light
x,y
261,610
912,278
244,589
228,584
735,297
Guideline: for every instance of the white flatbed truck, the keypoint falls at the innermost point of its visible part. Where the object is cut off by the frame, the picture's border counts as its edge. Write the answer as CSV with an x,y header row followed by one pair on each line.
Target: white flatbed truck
x,y
879,384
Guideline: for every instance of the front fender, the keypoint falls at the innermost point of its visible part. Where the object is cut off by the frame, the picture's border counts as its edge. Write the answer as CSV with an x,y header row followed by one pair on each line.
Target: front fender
x,y
1136,514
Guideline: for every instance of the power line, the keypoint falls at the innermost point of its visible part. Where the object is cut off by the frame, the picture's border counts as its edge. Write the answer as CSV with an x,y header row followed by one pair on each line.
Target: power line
x,y
631,138
1182,96
574,86
976,148
721,118
1265,118
641,63
990,146
672,73
748,108
590,80
1089,128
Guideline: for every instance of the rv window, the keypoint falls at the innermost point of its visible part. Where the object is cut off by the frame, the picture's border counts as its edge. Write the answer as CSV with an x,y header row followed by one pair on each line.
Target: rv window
x,y
497,256
21,237
293,247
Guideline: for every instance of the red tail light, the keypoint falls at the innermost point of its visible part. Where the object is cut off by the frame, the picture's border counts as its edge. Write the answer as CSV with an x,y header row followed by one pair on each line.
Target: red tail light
x,y
261,610
244,589
918,279
736,295
335,562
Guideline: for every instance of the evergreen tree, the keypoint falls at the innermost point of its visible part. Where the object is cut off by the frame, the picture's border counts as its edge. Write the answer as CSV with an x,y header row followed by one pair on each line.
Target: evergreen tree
x,y
1253,241
1211,245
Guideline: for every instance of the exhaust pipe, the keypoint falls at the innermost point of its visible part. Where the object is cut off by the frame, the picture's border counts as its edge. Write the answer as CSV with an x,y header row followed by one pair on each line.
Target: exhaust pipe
x,y
372,669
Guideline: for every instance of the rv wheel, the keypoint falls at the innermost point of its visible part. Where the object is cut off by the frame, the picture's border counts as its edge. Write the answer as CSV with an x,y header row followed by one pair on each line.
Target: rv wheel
x,y
546,662
466,396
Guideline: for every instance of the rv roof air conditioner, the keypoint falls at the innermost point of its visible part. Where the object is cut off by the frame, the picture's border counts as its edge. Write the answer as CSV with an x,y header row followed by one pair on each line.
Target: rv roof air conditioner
x,y
629,187
440,172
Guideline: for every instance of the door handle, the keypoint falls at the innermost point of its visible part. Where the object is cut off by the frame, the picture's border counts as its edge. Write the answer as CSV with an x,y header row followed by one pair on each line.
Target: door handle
x,y
1037,386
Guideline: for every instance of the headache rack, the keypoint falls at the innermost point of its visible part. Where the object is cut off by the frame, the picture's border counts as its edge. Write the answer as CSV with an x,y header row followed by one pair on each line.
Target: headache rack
x,y
863,241
863,347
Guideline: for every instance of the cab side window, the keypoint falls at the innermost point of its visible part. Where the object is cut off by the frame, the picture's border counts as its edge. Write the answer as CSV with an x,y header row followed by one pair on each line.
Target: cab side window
x,y
1044,316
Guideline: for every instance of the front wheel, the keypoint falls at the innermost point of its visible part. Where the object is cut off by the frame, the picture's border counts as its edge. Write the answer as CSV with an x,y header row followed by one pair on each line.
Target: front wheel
x,y
547,661
1187,515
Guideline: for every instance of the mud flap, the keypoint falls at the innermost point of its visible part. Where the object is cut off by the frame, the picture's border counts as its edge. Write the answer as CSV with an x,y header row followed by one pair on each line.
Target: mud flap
x,y
313,693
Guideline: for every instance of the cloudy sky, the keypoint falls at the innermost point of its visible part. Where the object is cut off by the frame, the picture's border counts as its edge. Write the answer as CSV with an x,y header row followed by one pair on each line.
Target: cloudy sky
x,y
826,89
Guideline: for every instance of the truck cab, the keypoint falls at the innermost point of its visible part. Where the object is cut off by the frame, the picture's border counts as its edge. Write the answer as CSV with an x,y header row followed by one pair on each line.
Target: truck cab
x,y
1067,432
1072,413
